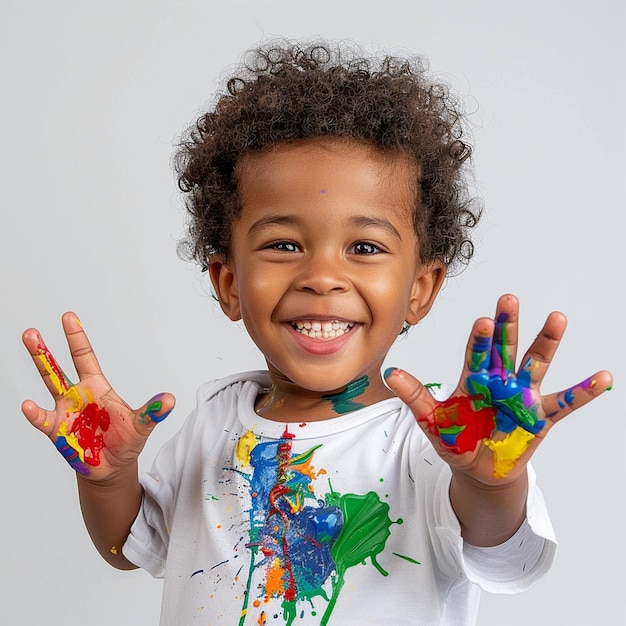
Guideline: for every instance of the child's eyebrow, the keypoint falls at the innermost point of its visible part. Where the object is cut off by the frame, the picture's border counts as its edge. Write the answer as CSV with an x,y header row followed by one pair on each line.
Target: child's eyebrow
x,y
364,221
360,221
273,219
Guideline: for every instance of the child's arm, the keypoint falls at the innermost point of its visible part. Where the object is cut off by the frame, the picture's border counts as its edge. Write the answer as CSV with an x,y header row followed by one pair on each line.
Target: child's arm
x,y
98,434
491,425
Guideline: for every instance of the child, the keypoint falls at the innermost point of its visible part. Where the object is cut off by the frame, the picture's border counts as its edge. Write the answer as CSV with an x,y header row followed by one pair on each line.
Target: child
x,y
328,201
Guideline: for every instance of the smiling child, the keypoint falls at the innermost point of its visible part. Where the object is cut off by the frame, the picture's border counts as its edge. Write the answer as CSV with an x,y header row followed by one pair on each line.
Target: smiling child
x,y
328,201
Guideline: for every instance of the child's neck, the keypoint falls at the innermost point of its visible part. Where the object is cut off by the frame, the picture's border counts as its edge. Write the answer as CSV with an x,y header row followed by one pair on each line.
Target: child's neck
x,y
285,402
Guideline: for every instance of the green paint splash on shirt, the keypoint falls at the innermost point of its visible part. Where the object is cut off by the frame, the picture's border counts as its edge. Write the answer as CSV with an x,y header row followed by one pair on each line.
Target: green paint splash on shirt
x,y
363,535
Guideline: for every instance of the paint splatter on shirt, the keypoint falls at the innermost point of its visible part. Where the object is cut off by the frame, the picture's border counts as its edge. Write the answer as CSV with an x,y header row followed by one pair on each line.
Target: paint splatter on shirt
x,y
304,543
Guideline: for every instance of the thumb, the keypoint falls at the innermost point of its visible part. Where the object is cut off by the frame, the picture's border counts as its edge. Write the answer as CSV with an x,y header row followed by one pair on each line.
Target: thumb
x,y
415,395
156,409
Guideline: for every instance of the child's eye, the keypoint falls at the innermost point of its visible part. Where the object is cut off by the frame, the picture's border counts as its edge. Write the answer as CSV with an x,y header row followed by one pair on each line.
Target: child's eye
x,y
365,248
283,246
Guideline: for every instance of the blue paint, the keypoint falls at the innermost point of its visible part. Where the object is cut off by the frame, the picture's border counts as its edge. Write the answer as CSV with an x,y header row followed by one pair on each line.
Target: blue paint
x,y
153,408
387,373
480,353
510,396
71,456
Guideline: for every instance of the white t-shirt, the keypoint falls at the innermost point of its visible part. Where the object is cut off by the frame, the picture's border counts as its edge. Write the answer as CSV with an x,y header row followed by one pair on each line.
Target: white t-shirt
x,y
343,521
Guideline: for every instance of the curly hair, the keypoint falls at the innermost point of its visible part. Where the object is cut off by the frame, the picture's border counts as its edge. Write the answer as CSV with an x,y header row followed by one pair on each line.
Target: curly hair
x,y
285,91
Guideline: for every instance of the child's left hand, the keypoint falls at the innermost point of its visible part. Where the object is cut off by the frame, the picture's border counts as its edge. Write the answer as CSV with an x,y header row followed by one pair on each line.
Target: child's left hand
x,y
493,422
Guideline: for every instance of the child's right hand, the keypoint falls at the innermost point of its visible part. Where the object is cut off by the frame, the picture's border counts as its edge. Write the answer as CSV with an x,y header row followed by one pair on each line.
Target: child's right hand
x,y
91,426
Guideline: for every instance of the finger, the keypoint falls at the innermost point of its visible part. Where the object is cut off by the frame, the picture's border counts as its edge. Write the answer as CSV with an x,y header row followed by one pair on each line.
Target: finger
x,y
156,409
454,425
505,336
537,359
559,405
475,376
478,350
82,353
417,397
64,443
38,417
51,373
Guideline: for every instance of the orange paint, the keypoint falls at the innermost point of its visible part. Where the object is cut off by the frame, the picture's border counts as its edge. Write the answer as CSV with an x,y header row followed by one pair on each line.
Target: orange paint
x,y
274,583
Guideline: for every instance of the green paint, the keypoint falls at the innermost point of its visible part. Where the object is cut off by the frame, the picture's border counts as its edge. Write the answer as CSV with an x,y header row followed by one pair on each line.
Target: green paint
x,y
504,355
343,401
481,395
515,404
154,407
364,533
433,385
478,360
301,459
254,550
406,558
454,429
289,612
151,410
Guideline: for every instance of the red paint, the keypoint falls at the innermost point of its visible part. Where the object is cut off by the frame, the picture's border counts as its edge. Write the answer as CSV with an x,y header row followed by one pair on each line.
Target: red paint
x,y
85,427
286,435
283,457
54,366
460,411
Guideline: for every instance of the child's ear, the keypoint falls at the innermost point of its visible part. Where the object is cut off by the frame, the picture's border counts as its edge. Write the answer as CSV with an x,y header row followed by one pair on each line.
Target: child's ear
x,y
224,283
428,281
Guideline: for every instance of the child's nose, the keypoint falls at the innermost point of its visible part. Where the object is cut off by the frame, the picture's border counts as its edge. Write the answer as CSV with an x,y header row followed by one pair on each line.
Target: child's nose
x,y
323,274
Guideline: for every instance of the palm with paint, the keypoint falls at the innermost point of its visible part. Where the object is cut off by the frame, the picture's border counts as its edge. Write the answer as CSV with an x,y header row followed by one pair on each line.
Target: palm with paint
x,y
91,426
495,419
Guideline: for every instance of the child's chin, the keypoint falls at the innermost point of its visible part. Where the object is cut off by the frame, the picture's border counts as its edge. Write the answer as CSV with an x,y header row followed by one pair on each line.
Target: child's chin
x,y
325,385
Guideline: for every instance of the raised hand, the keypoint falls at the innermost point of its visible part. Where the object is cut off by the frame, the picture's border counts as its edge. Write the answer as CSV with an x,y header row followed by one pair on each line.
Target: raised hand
x,y
497,416
91,426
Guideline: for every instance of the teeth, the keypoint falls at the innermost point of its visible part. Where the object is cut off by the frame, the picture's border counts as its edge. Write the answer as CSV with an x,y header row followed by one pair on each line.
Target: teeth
x,y
322,330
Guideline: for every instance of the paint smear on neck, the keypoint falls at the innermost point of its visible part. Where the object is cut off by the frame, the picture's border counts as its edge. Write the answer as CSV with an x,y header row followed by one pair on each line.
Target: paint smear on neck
x,y
343,402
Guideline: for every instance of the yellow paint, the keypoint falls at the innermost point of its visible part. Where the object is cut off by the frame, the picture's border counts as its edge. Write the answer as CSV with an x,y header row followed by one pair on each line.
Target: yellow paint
x,y
244,447
507,451
62,387
294,505
73,394
78,404
71,440
59,385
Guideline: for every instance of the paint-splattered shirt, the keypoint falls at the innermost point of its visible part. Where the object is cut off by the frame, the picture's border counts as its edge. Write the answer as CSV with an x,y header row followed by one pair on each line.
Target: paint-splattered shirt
x,y
343,521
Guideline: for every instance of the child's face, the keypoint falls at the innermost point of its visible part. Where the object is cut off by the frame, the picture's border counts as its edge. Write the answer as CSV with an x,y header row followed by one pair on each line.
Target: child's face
x,y
325,239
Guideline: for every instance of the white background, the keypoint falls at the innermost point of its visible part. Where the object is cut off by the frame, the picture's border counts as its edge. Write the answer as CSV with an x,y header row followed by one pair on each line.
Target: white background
x,y
93,98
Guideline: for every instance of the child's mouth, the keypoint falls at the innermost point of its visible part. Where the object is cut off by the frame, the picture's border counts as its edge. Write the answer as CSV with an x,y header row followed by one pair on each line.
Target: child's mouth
x,y
322,330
